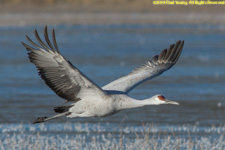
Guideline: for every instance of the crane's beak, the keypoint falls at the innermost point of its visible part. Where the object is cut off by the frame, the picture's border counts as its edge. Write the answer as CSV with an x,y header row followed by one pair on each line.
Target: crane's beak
x,y
171,102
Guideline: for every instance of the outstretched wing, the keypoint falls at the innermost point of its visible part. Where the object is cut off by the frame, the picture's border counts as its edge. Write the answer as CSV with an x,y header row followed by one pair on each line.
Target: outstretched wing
x,y
154,67
58,73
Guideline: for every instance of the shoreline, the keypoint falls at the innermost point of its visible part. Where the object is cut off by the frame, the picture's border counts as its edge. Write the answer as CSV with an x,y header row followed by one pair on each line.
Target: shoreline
x,y
22,19
20,15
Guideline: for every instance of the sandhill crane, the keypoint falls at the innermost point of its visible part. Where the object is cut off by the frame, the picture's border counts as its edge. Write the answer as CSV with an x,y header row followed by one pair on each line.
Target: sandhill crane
x,y
86,98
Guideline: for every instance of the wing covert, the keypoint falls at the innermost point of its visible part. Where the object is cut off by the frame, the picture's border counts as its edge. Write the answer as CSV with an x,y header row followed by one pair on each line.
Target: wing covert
x,y
152,68
58,73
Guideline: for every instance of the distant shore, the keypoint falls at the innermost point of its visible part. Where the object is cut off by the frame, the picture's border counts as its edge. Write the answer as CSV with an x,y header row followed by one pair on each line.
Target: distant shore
x,y
29,14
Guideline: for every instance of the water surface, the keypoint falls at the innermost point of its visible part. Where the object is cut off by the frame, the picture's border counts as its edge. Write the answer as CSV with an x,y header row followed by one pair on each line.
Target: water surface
x,y
107,52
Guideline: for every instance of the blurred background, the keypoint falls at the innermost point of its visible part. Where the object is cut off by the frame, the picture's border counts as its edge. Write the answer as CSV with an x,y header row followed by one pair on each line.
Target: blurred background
x,y
27,12
106,40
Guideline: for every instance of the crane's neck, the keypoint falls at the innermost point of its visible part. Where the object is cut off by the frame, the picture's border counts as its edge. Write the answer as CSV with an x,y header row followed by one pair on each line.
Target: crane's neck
x,y
126,102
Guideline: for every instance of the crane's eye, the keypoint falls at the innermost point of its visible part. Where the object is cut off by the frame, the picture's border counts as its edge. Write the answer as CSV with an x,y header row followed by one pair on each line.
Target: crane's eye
x,y
162,98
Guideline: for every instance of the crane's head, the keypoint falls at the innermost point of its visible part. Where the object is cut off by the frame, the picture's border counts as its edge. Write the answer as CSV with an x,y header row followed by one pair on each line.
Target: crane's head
x,y
160,99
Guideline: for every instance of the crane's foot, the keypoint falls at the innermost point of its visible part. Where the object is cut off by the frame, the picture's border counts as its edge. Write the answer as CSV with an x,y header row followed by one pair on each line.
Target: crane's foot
x,y
40,119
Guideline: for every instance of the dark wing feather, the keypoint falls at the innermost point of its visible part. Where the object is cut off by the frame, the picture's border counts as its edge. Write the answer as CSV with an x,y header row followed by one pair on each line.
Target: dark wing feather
x,y
154,67
58,73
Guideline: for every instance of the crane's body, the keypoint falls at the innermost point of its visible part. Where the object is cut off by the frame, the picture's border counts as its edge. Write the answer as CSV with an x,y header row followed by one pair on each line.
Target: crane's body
x,y
86,98
99,107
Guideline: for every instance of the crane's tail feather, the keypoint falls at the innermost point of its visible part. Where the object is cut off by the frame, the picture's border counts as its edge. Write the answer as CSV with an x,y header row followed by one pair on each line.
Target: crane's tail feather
x,y
44,119
62,109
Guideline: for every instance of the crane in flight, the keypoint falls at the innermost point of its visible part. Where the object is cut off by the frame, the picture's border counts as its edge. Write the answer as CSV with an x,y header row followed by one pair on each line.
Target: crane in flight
x,y
87,99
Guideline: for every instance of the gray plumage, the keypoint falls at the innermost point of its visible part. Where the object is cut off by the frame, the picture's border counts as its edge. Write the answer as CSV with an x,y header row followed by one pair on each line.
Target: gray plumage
x,y
58,73
88,99
154,67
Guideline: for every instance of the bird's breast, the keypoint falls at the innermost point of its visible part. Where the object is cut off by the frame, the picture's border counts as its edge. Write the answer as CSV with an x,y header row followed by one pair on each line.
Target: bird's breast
x,y
95,105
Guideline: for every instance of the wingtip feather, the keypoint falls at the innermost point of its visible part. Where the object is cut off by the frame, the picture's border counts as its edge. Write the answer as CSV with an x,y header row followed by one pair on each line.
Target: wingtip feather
x,y
162,55
179,50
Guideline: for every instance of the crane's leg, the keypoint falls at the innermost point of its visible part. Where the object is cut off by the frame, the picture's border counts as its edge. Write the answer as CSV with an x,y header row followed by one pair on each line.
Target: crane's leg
x,y
43,119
